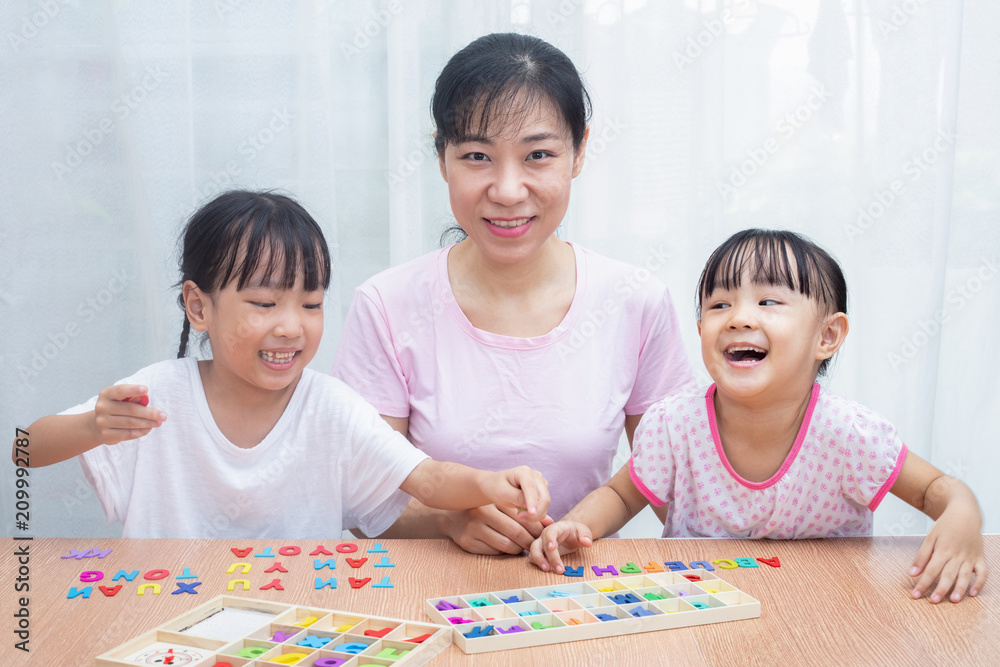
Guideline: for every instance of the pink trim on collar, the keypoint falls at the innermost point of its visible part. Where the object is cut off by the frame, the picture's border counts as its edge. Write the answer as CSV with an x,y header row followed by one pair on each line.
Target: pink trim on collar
x,y
776,477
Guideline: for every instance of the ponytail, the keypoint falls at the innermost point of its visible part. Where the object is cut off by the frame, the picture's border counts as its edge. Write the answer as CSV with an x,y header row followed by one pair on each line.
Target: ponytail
x,y
185,332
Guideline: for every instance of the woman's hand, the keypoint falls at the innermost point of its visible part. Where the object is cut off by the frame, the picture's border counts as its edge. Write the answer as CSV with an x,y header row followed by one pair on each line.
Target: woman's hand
x,y
491,530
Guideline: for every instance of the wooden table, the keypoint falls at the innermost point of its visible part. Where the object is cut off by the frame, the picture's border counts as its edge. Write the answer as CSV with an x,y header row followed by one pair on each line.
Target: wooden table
x,y
836,601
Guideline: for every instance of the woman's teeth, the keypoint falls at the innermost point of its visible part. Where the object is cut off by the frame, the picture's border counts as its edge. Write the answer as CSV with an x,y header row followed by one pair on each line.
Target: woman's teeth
x,y
509,224
277,357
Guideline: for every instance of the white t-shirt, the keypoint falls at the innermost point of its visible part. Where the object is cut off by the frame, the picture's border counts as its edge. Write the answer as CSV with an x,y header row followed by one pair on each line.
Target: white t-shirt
x,y
844,460
556,402
329,463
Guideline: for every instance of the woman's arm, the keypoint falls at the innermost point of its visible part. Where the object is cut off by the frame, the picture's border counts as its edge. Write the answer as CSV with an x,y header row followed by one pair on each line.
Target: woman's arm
x,y
952,552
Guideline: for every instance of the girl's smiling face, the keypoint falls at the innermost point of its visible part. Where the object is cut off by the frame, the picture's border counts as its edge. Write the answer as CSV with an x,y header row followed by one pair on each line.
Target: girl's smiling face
x,y
510,190
264,335
767,341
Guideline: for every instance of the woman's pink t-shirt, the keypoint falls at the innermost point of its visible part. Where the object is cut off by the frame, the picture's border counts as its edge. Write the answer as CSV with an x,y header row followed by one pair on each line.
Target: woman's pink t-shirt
x,y
555,402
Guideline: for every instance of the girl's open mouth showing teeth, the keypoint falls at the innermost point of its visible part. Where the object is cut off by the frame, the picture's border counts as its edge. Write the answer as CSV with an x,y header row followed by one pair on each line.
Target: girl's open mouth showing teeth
x,y
745,354
277,357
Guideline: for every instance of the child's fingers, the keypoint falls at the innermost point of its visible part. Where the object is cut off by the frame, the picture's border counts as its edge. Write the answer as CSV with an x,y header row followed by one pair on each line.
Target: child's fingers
x,y
946,580
531,492
547,557
980,572
962,581
923,557
119,392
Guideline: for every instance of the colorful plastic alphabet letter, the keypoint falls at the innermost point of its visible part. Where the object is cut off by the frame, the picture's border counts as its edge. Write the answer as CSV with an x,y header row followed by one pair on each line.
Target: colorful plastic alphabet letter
x,y
186,588
313,641
573,571
331,582
276,583
479,631
329,662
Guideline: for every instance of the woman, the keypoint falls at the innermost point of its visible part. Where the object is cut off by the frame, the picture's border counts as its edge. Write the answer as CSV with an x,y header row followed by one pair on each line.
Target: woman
x,y
511,345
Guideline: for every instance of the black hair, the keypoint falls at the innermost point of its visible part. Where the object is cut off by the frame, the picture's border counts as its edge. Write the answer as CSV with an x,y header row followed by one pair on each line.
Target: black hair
x,y
240,232
500,76
765,256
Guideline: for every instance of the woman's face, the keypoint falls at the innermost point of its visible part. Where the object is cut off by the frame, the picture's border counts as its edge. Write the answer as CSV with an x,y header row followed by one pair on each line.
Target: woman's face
x,y
509,191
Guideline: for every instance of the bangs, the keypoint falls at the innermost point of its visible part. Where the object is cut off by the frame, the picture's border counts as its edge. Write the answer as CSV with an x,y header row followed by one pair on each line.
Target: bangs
x,y
491,112
275,247
768,257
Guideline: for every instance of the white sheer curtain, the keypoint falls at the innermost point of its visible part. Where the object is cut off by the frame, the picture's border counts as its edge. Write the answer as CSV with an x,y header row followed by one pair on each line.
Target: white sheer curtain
x,y
869,125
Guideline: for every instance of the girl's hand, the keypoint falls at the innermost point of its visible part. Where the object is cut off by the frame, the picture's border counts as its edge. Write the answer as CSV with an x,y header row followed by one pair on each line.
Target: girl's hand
x,y
952,555
521,488
562,537
116,419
